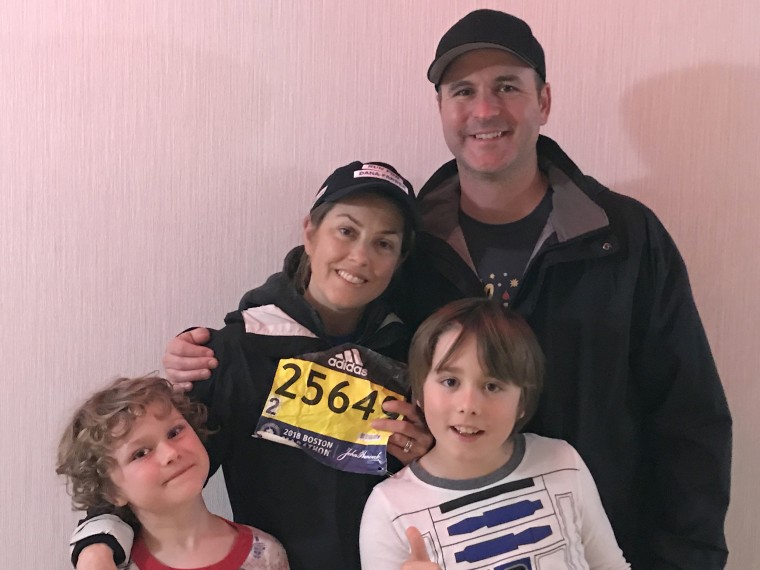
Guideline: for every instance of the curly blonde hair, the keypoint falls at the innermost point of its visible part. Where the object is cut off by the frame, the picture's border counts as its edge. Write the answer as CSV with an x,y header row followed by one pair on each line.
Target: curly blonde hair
x,y
84,452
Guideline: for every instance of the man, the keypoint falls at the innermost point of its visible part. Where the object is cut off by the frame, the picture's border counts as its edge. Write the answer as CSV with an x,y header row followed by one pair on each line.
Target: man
x,y
631,382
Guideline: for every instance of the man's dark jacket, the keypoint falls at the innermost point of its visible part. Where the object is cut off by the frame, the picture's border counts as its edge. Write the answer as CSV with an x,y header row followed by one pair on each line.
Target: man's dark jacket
x,y
631,381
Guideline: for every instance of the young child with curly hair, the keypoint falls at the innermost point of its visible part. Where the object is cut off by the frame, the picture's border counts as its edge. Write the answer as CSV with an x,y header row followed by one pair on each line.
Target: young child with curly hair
x,y
136,445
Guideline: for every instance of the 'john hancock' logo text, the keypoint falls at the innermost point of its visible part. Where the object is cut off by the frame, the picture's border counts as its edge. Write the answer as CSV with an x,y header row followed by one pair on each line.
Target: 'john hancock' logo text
x,y
362,454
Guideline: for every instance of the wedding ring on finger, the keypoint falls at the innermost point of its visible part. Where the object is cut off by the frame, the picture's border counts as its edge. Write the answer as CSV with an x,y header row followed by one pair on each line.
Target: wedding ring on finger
x,y
408,445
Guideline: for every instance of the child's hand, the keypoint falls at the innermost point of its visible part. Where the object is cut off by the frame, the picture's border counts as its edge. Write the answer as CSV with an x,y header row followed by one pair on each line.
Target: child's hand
x,y
418,558
96,557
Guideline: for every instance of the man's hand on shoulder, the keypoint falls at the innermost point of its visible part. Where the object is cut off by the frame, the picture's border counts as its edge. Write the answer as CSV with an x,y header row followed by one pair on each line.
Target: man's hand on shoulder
x,y
187,360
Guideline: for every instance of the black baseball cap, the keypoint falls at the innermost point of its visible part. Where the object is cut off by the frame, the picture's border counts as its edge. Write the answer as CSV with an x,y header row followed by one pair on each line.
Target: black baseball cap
x,y
483,29
378,176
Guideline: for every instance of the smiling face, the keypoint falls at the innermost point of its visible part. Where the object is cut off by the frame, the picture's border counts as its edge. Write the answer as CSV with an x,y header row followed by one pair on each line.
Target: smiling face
x,y
353,254
491,112
470,414
160,463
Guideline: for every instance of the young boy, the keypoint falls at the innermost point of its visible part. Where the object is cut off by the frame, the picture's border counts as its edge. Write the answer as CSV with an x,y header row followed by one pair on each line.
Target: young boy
x,y
485,496
135,445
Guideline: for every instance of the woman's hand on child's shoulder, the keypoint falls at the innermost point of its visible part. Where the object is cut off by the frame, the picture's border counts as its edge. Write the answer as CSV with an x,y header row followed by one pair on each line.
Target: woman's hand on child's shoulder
x,y
418,557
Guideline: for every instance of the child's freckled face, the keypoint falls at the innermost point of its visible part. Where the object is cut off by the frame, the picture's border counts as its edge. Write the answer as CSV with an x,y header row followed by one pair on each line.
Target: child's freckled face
x,y
470,414
160,463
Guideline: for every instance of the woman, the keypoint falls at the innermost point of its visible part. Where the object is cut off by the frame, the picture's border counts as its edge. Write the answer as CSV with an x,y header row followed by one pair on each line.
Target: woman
x,y
329,295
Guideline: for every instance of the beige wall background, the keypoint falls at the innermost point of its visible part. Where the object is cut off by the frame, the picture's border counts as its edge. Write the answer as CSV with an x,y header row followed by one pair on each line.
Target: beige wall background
x,y
156,159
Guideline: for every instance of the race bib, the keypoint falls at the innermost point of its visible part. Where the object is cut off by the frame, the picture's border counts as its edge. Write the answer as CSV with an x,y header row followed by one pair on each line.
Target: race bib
x,y
324,403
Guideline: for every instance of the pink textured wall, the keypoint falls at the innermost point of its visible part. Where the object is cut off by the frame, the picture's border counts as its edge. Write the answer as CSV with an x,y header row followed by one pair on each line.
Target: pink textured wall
x,y
156,159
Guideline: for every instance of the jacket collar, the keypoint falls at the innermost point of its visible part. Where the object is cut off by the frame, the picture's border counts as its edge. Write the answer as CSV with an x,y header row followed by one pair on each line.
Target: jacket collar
x,y
574,211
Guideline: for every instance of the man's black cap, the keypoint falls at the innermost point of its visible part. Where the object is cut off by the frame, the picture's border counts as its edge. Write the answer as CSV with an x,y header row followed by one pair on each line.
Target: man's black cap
x,y
483,29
